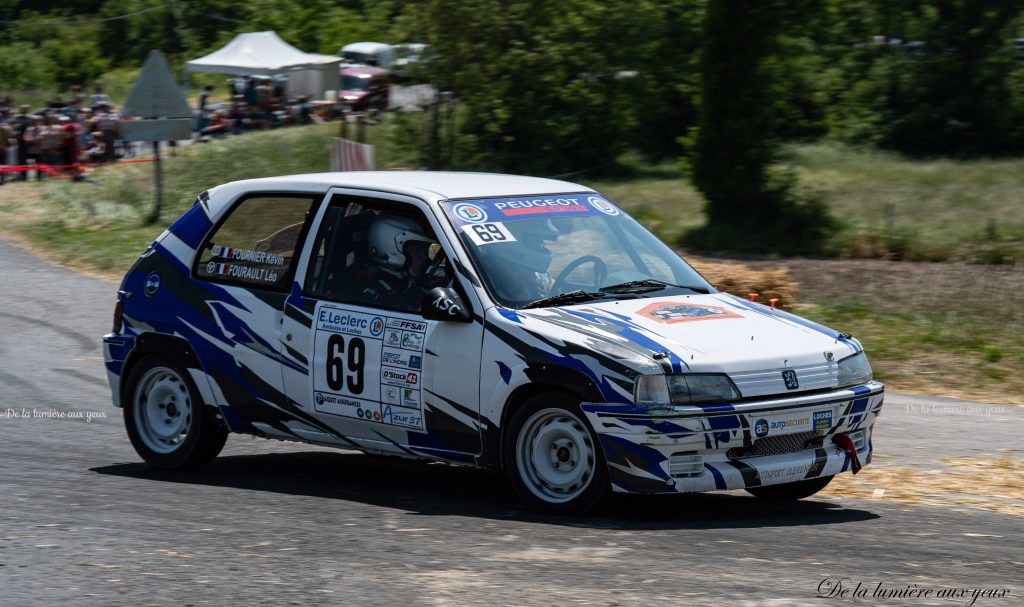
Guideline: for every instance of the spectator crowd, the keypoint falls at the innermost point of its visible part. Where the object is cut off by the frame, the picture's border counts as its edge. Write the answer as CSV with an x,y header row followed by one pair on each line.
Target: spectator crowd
x,y
55,139
59,139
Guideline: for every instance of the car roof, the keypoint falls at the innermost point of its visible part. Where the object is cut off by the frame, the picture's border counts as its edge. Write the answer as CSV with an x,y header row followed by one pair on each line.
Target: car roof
x,y
431,186
365,47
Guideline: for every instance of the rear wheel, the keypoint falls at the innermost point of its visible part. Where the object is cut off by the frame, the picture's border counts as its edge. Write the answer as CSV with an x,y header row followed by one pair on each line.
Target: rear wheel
x,y
552,458
789,492
166,419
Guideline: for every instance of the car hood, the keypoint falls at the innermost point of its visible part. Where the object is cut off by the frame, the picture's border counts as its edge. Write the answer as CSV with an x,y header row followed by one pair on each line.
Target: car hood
x,y
714,333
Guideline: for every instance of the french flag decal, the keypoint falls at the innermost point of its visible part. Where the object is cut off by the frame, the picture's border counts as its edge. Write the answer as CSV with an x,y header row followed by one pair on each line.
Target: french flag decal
x,y
216,268
222,251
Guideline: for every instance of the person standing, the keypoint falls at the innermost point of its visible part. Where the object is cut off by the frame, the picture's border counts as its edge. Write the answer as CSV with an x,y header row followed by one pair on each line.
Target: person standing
x,y
22,123
6,137
69,148
202,113
34,139
106,123
51,140
98,98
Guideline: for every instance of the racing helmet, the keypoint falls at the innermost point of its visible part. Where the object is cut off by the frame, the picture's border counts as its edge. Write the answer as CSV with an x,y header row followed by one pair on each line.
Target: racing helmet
x,y
531,253
521,266
387,238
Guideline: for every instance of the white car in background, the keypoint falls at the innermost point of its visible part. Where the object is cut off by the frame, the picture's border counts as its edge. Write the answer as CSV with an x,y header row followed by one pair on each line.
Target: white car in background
x,y
376,54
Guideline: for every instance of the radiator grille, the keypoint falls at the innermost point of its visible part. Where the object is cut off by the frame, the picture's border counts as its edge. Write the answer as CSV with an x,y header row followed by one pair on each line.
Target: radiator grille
x,y
777,445
767,382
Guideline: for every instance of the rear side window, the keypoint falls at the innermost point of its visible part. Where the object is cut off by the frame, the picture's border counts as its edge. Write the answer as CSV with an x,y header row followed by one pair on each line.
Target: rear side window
x,y
257,244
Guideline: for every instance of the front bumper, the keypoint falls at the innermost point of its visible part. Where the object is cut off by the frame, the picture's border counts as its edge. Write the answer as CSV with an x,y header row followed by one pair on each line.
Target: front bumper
x,y
683,449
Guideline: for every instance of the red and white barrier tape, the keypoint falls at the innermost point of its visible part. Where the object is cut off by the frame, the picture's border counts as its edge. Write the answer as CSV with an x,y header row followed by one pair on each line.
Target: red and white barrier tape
x,y
61,171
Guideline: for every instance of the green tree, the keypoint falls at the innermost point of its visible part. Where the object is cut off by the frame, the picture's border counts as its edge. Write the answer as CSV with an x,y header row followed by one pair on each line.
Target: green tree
x,y
926,77
959,101
663,95
536,82
748,207
22,68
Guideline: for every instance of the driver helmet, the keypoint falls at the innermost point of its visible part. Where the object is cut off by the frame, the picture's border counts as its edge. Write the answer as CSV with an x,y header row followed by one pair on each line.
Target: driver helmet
x,y
523,264
530,234
387,238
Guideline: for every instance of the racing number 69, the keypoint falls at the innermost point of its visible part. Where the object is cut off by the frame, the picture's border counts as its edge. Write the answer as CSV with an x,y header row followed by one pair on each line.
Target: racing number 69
x,y
489,232
336,366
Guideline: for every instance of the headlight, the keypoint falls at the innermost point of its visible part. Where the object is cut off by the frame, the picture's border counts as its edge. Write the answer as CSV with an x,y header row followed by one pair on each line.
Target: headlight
x,y
854,370
664,390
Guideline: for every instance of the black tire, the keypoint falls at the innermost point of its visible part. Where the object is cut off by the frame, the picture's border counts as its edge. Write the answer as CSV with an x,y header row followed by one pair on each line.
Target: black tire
x,y
158,386
790,492
556,418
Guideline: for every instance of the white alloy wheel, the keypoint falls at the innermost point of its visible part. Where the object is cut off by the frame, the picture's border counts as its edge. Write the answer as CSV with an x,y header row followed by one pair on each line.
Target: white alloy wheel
x,y
555,455
162,409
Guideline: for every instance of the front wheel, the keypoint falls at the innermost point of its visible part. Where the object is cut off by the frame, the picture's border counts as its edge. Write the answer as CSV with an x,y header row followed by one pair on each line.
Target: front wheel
x,y
166,419
552,458
790,492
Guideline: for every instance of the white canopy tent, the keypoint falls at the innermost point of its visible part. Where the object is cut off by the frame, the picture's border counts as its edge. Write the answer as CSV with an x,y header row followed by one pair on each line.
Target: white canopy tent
x,y
265,54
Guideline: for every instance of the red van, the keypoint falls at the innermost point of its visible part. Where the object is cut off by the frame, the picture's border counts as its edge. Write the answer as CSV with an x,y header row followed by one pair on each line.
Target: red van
x,y
364,87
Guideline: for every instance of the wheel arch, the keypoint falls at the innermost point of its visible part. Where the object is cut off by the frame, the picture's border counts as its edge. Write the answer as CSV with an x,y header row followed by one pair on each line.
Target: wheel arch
x,y
159,344
544,378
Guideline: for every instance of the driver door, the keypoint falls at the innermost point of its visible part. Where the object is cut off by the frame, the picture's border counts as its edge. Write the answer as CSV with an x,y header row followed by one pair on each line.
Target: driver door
x,y
380,376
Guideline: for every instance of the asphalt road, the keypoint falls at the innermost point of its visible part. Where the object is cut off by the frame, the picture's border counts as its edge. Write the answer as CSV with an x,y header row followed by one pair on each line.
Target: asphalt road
x,y
82,522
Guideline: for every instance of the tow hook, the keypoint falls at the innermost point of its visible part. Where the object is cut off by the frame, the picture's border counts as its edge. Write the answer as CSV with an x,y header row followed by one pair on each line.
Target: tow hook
x,y
845,443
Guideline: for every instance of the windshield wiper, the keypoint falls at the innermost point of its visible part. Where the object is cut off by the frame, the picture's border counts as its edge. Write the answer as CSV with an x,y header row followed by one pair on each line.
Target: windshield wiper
x,y
647,284
563,298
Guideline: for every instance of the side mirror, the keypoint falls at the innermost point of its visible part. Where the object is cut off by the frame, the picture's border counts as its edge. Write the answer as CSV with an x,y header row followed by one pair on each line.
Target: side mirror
x,y
442,303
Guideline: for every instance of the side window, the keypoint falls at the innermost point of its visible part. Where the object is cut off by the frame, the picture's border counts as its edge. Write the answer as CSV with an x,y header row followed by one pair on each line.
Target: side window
x,y
376,253
256,245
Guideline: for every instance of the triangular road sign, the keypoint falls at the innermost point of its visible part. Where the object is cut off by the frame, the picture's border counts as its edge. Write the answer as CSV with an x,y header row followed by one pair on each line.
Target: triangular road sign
x,y
155,94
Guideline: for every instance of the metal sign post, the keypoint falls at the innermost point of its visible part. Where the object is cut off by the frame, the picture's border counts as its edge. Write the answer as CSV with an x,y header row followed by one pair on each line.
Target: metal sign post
x,y
162,111
158,175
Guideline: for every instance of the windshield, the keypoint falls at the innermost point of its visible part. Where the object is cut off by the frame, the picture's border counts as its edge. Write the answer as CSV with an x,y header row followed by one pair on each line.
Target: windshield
x,y
355,83
358,58
530,249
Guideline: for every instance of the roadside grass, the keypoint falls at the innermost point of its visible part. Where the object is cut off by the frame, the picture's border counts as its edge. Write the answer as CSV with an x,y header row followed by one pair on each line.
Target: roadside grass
x,y
920,210
103,226
888,207
934,352
942,328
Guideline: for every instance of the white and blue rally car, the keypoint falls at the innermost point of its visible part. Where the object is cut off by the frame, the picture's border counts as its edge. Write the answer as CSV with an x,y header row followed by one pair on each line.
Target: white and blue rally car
x,y
512,323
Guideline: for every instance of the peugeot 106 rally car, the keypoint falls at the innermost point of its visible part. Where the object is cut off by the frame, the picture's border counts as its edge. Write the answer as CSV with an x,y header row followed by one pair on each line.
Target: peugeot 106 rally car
x,y
512,323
